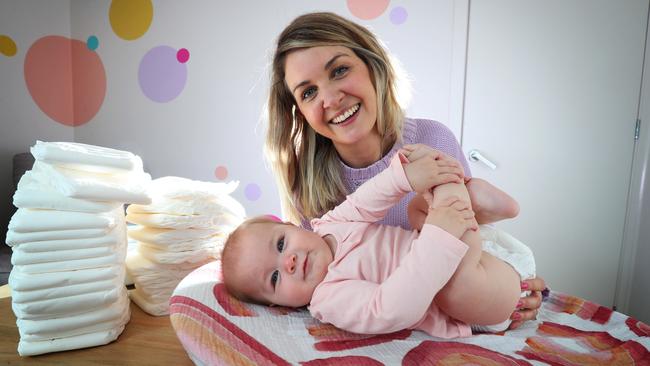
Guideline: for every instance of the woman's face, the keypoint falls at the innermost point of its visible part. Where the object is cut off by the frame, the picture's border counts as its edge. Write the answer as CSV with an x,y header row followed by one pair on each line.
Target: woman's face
x,y
333,91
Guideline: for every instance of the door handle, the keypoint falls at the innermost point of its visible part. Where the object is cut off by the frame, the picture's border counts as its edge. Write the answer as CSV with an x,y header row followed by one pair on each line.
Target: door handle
x,y
475,155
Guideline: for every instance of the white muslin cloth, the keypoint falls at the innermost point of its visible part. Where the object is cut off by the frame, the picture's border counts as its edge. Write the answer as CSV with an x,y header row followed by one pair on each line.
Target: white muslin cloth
x,y
22,281
27,220
34,194
512,251
164,237
85,157
16,238
129,187
108,317
53,308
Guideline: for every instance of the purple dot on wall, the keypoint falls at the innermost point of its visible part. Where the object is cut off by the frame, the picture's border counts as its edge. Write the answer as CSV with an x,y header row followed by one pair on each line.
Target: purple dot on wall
x,y
398,15
221,172
162,78
252,192
183,55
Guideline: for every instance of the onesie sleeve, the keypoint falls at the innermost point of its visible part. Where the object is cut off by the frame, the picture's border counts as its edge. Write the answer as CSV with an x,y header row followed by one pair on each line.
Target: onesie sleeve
x,y
370,202
400,301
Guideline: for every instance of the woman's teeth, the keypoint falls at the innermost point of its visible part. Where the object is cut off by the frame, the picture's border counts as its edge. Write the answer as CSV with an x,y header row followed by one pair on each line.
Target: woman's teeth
x,y
345,115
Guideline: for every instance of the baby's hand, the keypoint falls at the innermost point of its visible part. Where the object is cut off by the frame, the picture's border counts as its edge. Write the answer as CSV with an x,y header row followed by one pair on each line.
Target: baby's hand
x,y
453,216
428,168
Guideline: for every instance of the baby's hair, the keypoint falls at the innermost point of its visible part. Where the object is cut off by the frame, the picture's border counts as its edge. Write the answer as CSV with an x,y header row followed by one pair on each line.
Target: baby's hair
x,y
231,252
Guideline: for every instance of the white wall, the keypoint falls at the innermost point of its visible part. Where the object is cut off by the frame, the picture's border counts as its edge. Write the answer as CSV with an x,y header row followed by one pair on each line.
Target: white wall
x,y
21,121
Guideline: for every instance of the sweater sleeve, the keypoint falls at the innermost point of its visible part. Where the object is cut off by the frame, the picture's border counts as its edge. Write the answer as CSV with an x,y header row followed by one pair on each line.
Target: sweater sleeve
x,y
370,202
400,301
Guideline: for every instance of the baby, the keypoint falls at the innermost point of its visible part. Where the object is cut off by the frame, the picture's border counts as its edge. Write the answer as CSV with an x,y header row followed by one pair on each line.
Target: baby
x,y
364,277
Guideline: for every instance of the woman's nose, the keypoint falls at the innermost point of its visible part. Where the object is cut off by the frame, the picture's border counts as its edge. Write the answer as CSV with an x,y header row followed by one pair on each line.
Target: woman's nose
x,y
331,97
290,263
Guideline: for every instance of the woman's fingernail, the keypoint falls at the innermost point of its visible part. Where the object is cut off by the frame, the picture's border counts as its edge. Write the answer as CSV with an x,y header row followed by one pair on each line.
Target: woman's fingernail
x,y
524,285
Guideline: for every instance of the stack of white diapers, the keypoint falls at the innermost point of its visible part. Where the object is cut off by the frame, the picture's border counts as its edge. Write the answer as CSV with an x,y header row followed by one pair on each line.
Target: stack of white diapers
x,y
183,228
69,246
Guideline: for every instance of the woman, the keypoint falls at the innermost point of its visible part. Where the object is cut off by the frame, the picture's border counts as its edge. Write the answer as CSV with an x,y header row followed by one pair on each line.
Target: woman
x,y
335,122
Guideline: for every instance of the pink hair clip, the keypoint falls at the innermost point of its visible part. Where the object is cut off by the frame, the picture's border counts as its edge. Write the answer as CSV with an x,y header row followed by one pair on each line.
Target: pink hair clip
x,y
273,217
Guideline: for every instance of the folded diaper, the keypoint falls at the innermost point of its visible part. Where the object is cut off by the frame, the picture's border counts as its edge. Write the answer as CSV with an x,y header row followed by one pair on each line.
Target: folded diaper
x,y
216,241
162,237
29,220
190,206
153,308
189,256
129,187
85,157
20,257
34,194
47,246
183,188
15,238
31,348
116,257
108,317
23,297
224,221
62,306
22,281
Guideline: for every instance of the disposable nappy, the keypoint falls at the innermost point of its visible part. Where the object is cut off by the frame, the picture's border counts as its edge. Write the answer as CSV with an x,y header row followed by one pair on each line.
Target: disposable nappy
x,y
512,251
164,237
85,157
224,221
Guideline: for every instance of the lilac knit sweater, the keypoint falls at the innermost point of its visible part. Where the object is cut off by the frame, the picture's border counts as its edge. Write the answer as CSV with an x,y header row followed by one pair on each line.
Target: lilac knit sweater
x,y
415,131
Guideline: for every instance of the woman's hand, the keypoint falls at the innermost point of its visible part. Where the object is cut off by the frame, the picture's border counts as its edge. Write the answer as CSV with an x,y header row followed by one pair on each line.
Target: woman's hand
x,y
529,305
428,168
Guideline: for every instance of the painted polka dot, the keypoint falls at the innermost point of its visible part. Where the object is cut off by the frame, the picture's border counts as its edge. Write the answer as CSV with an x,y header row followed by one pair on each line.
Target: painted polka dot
x,y
92,43
7,46
398,15
252,192
66,80
130,19
183,55
221,172
162,78
367,9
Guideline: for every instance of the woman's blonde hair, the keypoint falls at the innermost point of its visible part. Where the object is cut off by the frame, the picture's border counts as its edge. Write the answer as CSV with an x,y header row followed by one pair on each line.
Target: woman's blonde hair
x,y
305,163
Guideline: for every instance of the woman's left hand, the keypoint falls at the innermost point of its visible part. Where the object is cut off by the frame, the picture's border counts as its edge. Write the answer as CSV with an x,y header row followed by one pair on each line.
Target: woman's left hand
x,y
529,306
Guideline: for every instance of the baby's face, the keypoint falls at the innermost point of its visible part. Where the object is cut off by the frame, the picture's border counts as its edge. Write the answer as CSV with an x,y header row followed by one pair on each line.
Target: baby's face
x,y
281,264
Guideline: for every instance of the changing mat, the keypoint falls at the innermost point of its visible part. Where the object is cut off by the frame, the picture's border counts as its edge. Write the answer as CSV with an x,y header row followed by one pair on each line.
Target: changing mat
x,y
216,329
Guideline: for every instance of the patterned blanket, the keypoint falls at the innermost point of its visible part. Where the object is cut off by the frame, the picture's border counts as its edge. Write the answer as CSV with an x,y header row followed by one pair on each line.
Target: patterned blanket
x,y
217,329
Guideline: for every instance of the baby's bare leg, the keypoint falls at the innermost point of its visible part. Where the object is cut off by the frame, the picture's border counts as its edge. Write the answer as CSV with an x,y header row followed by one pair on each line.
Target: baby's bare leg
x,y
484,290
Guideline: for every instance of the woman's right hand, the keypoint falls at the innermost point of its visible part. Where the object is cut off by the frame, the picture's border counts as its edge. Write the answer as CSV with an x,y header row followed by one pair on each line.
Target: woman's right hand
x,y
428,168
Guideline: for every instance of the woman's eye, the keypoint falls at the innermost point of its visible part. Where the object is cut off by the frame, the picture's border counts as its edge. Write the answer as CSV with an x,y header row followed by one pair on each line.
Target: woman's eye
x,y
280,245
308,93
340,71
274,278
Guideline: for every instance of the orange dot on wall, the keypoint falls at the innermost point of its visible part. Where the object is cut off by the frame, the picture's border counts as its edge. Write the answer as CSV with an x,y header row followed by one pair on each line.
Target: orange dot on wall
x,y
221,172
367,9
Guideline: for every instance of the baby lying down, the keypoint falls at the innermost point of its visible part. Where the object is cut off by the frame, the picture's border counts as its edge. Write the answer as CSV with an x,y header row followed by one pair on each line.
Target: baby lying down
x,y
364,277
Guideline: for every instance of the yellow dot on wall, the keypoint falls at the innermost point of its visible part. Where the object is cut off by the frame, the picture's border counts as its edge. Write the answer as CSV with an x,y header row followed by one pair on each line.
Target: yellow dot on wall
x,y
130,19
7,46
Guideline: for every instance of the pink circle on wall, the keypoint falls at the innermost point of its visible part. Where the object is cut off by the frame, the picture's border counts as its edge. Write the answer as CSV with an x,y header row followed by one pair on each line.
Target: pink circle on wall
x,y
66,80
221,172
183,55
367,9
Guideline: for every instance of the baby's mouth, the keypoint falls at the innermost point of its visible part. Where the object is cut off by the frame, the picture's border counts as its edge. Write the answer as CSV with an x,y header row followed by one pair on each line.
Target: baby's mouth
x,y
346,115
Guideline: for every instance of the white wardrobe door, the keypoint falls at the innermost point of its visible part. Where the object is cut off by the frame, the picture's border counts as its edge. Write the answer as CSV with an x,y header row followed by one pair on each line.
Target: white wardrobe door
x,y
552,92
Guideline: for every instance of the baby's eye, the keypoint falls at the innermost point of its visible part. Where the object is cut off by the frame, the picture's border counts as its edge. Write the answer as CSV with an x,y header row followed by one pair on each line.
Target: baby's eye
x,y
340,71
308,93
280,245
274,277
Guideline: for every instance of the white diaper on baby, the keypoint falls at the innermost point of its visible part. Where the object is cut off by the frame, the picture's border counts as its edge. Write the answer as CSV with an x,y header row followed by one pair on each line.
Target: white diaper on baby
x,y
512,251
